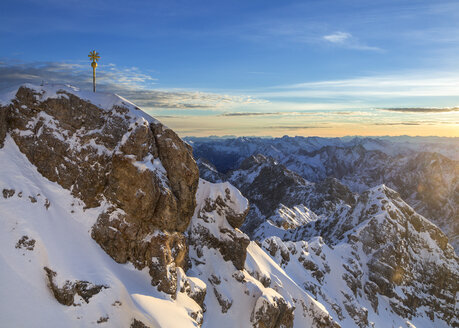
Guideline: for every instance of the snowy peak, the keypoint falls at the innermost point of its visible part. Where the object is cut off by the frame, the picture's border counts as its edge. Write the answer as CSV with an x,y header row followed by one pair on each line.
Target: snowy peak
x,y
102,100
385,205
221,210
256,160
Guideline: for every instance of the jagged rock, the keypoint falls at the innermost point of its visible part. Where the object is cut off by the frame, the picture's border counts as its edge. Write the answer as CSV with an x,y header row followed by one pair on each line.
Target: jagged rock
x,y
118,154
182,171
268,171
161,251
138,324
7,193
224,302
26,243
219,204
208,171
391,251
65,294
195,289
290,218
3,126
358,314
430,183
272,312
274,246
102,319
271,189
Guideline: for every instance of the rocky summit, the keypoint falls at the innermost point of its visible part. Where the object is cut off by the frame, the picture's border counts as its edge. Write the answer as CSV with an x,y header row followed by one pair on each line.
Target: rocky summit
x,y
112,153
105,221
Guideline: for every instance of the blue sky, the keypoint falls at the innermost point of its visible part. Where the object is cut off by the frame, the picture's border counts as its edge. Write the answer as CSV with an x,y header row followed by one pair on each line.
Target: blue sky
x,y
266,67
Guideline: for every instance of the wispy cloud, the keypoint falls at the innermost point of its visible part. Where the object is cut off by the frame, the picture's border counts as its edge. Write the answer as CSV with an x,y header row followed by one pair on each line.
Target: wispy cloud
x,y
293,113
295,127
423,110
252,114
186,99
420,122
347,40
399,123
338,37
79,73
332,108
408,84
129,82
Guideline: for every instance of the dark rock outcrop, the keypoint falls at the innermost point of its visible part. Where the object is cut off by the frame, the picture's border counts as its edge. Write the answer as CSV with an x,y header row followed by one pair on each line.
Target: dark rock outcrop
x,y
7,193
138,324
118,155
208,171
3,126
66,294
26,243
272,313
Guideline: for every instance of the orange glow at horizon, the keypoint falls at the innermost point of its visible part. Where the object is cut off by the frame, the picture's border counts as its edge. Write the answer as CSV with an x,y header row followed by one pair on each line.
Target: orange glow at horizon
x,y
220,126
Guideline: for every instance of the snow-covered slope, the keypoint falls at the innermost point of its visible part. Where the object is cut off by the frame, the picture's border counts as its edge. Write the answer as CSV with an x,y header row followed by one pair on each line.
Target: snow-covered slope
x,y
245,286
93,211
43,226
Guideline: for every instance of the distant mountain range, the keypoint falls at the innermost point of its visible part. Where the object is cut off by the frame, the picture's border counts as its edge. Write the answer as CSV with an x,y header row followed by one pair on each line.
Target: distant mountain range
x,y
423,170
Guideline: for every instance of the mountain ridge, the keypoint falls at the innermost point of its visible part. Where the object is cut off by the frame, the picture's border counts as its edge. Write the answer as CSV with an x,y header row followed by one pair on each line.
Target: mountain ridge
x,y
427,180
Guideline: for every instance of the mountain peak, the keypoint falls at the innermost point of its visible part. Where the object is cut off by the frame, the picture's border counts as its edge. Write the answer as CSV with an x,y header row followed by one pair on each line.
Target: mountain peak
x,y
109,153
103,100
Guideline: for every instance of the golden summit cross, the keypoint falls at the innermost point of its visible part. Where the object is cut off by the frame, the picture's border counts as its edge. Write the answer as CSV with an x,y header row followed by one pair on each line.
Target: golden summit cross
x,y
94,56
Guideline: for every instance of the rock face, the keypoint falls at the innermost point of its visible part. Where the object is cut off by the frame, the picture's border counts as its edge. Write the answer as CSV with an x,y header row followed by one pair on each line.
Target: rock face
x,y
3,126
271,313
385,254
116,155
66,294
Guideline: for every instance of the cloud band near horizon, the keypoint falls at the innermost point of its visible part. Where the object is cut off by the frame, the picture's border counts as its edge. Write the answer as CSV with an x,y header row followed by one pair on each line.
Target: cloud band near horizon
x,y
364,105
